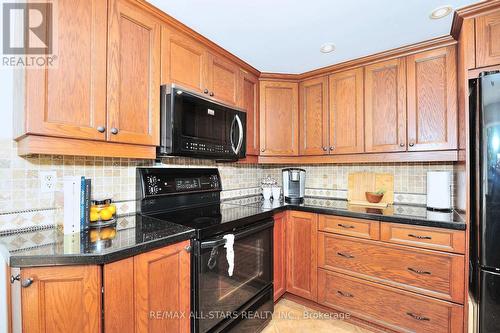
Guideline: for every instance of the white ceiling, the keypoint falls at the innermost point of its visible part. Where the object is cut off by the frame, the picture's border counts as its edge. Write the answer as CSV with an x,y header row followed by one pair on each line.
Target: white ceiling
x,y
284,36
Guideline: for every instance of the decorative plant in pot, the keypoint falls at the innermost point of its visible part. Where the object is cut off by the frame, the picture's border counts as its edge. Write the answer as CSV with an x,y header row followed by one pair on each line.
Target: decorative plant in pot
x,y
375,197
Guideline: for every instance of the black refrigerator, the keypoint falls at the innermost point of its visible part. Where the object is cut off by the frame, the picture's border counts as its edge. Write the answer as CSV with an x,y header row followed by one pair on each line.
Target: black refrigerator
x,y
485,201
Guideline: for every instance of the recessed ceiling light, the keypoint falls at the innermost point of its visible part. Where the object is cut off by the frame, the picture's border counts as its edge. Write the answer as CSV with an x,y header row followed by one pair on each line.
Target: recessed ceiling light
x,y
441,12
327,48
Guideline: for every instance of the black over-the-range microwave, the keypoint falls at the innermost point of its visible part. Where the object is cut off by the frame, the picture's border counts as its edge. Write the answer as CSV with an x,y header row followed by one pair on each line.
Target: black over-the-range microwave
x,y
195,126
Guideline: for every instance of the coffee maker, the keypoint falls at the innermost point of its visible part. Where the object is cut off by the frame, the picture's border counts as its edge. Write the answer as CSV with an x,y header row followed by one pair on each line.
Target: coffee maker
x,y
294,183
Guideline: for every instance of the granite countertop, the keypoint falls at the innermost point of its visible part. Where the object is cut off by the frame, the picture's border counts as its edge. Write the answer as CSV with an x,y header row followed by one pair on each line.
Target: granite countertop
x,y
135,234
404,214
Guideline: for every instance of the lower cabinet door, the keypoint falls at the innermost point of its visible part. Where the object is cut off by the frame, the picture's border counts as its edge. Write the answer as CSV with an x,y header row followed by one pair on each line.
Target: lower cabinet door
x,y
162,290
61,299
301,240
395,309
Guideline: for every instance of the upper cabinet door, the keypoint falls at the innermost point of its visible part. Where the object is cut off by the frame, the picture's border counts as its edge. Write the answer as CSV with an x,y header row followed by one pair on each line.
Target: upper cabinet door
x,y
313,116
279,135
346,112
385,106
184,61
488,40
249,101
432,100
223,79
69,100
61,299
133,75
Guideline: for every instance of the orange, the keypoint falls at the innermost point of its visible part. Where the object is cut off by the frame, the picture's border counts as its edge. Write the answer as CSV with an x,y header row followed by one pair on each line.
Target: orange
x,y
105,214
94,216
111,208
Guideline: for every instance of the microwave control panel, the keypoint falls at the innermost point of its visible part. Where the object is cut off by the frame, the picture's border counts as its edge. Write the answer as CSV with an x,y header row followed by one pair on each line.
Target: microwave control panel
x,y
194,146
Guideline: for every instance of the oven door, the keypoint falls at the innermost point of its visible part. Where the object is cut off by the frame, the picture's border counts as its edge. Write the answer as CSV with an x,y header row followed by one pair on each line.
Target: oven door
x,y
201,127
220,292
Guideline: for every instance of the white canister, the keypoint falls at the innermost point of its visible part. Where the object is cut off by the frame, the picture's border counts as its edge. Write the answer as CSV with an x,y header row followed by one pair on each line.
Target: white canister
x,y
267,192
276,192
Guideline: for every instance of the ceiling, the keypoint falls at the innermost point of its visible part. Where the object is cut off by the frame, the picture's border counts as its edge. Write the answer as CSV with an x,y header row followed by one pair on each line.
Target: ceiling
x,y
284,36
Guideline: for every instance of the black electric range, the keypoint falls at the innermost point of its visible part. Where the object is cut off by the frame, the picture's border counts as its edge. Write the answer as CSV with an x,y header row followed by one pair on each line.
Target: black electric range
x,y
232,253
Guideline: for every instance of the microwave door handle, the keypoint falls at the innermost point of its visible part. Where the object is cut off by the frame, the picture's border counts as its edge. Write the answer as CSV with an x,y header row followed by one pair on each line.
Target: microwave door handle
x,y
240,139
231,135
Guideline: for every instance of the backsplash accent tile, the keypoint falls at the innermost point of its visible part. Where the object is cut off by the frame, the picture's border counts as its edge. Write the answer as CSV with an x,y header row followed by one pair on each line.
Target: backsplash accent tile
x,y
115,177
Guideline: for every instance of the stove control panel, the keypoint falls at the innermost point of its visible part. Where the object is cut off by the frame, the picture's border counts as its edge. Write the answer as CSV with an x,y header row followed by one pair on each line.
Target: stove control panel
x,y
170,181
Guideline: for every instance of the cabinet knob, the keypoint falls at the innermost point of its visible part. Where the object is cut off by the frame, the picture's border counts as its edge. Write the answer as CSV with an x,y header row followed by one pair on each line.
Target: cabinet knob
x,y
14,278
325,148
114,130
332,148
412,144
101,129
188,248
212,93
205,91
401,144
27,282
263,150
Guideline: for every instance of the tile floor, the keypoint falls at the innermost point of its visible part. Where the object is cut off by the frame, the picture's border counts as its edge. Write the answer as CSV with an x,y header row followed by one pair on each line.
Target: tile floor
x,y
290,317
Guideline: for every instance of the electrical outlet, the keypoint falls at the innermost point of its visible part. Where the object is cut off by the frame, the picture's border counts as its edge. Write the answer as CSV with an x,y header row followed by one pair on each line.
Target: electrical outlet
x,y
48,181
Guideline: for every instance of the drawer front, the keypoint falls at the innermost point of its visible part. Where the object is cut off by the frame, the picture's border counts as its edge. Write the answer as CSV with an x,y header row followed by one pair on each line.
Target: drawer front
x,y
349,226
427,272
396,309
425,237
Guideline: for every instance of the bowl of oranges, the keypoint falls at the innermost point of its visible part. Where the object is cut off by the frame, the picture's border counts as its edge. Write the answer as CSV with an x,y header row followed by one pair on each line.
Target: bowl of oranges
x,y
102,211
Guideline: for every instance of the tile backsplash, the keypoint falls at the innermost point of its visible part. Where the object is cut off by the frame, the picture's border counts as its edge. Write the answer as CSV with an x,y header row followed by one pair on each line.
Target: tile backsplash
x,y
20,181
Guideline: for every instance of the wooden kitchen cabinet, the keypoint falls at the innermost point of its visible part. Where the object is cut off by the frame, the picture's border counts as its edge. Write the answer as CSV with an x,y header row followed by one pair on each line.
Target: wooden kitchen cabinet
x,y
301,239
279,118
279,255
223,78
488,40
69,100
346,112
61,299
313,116
249,101
140,290
183,61
133,75
432,100
385,106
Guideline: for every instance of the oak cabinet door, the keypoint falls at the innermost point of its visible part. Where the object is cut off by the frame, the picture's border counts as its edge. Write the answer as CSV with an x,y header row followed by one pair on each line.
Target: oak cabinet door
x,y
279,255
279,135
184,61
488,40
385,106
223,78
162,285
432,100
346,112
249,101
133,75
313,116
69,99
62,299
302,264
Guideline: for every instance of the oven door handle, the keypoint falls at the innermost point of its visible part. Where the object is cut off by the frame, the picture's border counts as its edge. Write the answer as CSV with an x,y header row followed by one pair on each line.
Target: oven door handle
x,y
237,120
239,235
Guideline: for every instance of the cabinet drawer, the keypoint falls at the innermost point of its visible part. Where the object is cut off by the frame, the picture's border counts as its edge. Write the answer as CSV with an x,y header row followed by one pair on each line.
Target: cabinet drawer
x,y
427,272
349,226
426,237
395,309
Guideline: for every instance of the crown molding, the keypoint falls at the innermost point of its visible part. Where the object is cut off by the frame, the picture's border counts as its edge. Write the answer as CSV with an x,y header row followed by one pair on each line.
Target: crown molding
x,y
471,11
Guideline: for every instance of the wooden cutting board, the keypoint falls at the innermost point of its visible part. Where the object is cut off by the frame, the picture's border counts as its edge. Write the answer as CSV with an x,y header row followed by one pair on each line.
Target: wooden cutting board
x,y
361,182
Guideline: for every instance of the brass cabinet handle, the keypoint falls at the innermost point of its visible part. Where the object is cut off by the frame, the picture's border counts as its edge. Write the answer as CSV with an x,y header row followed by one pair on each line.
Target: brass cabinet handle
x,y
27,282
345,255
419,237
417,271
114,130
346,226
344,294
101,129
417,317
